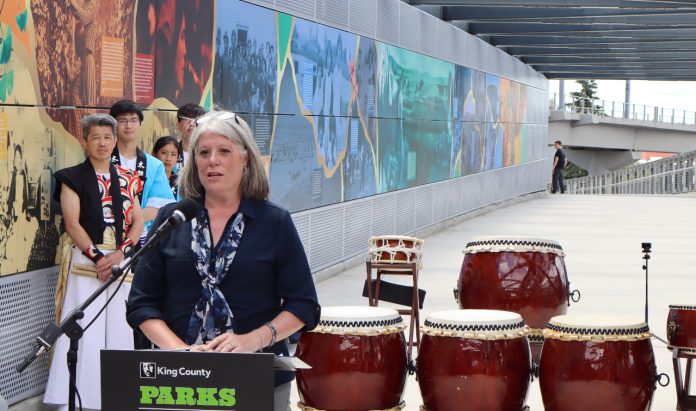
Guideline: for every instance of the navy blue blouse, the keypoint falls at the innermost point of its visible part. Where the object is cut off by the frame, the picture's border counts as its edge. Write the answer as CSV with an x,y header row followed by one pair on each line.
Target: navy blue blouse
x,y
269,274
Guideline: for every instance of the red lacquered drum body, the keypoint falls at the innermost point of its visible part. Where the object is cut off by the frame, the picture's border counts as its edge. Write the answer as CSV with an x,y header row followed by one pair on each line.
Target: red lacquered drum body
x,y
358,360
681,326
522,275
474,360
607,367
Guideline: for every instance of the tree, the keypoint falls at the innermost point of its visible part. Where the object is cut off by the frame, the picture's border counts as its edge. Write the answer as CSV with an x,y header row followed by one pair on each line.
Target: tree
x,y
573,170
584,100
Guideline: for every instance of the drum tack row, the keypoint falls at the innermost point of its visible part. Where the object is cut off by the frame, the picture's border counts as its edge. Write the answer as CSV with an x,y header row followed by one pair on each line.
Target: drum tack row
x,y
512,325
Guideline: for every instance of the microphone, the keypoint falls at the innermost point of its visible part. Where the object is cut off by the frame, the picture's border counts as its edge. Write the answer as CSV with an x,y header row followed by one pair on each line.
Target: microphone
x,y
43,343
185,210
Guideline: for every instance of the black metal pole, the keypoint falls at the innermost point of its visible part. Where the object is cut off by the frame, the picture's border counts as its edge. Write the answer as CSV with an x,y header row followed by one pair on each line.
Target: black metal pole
x,y
72,372
646,256
645,267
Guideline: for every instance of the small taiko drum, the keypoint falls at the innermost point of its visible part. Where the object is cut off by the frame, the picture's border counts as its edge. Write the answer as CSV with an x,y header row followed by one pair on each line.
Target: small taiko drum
x,y
681,327
395,249
597,363
358,360
518,274
473,360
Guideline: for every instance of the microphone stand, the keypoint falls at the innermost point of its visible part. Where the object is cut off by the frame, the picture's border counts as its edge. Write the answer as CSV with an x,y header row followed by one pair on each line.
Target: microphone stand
x,y
646,257
73,330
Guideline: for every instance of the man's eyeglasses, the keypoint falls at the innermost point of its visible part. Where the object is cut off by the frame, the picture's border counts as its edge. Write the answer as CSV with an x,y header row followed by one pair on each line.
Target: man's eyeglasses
x,y
187,119
224,116
124,121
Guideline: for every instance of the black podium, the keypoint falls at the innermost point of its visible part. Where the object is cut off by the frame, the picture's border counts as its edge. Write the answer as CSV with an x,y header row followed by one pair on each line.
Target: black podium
x,y
178,380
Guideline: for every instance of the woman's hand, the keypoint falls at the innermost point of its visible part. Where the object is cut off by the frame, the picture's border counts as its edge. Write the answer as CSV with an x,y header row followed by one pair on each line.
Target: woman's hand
x,y
231,342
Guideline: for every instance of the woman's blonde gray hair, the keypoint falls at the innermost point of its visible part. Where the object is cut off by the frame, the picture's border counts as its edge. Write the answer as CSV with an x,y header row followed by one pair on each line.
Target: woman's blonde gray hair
x,y
254,184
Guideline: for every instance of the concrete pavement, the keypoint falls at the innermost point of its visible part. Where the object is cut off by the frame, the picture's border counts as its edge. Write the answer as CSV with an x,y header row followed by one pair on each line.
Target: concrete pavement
x,y
601,236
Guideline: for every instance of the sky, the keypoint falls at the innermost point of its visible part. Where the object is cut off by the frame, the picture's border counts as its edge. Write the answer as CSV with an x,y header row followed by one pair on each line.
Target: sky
x,y
680,95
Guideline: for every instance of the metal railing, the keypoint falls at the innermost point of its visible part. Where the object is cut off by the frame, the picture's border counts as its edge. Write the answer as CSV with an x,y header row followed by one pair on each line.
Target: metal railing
x,y
671,175
618,109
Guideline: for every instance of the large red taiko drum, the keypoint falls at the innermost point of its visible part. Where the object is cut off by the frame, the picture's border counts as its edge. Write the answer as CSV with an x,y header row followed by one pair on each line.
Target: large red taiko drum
x,y
358,360
597,363
681,327
476,360
519,274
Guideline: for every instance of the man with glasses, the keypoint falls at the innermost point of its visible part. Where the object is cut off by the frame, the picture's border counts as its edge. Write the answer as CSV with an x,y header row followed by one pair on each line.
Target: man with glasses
x,y
186,122
127,154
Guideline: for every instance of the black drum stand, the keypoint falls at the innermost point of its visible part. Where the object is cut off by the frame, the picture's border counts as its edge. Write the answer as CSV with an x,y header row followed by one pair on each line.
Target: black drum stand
x,y
685,401
376,292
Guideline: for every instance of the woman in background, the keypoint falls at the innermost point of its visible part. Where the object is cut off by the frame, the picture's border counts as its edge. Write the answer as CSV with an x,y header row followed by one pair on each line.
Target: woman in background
x,y
166,150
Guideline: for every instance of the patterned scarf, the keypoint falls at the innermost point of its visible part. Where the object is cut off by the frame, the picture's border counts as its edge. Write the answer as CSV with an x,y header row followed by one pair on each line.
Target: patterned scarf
x,y
211,315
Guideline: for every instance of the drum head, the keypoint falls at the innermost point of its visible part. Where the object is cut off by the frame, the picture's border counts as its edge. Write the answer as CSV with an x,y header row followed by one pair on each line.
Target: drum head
x,y
682,306
496,244
477,324
402,240
597,327
395,249
359,320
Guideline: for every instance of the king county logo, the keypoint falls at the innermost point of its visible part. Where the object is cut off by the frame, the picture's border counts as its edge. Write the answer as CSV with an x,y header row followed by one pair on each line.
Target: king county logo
x,y
148,370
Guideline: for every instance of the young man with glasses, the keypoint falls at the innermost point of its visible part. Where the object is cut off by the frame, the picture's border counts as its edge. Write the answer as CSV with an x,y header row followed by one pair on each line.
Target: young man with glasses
x,y
186,122
156,191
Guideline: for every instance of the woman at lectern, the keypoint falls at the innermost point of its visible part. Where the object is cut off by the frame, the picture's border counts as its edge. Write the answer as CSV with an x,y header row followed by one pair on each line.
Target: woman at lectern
x,y
235,278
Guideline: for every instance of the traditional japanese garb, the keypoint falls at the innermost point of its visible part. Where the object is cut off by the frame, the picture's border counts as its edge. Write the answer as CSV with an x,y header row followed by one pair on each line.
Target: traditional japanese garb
x,y
106,214
156,191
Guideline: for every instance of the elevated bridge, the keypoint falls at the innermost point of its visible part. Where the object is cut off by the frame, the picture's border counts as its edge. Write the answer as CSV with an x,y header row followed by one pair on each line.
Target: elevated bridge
x,y
611,136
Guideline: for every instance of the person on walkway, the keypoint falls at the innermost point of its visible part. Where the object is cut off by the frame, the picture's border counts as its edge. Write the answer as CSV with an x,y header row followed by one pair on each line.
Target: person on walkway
x,y
103,220
235,278
559,162
156,191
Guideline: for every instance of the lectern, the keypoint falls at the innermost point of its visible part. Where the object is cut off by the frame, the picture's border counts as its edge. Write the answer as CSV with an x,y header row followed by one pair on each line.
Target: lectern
x,y
179,380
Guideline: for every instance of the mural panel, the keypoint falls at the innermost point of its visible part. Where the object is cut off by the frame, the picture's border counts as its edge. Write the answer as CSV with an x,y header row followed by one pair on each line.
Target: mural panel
x,y
246,57
336,116
183,39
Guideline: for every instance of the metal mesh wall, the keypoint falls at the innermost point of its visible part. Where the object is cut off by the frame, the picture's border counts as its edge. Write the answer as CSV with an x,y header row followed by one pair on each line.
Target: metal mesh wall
x,y
27,306
341,231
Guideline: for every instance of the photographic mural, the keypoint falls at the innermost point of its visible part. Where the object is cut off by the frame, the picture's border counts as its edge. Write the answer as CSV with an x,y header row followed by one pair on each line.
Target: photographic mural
x,y
337,116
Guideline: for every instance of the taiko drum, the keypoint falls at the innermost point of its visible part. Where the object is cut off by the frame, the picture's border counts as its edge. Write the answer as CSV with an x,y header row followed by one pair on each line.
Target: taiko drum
x,y
476,360
391,249
523,275
597,363
358,360
681,327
